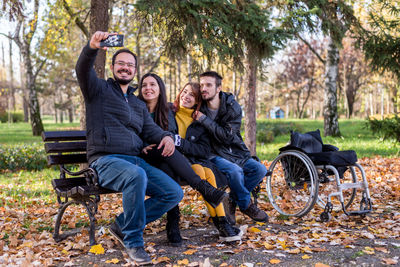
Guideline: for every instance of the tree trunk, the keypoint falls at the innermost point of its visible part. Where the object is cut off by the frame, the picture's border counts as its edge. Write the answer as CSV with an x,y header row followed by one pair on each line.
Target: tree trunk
x,y
250,123
138,55
189,67
23,90
33,102
331,123
99,22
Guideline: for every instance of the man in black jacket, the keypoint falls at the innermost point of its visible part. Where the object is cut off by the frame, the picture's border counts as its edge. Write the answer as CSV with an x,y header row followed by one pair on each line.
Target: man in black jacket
x,y
116,123
222,117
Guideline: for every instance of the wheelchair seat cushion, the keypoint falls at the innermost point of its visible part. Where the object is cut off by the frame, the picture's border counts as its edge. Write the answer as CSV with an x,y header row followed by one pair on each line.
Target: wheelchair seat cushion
x,y
335,158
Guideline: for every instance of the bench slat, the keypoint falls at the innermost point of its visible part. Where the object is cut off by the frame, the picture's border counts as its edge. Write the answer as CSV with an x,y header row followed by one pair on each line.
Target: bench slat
x,y
63,135
66,159
65,147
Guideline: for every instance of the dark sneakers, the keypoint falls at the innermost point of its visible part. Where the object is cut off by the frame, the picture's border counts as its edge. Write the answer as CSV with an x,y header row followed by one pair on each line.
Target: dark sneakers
x,y
227,232
255,213
116,232
139,255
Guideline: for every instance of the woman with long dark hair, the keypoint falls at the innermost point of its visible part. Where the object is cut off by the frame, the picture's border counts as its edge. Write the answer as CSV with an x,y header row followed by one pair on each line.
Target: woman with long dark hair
x,y
193,142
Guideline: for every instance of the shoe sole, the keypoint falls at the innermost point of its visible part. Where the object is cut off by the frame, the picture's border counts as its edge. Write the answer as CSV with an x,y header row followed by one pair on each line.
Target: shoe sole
x,y
237,237
116,236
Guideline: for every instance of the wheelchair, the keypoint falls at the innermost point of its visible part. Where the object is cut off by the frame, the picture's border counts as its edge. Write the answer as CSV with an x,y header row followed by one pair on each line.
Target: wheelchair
x,y
307,172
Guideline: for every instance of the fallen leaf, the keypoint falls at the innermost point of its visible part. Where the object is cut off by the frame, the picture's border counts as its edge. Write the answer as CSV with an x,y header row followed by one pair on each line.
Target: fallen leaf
x,y
305,257
114,260
294,251
369,250
390,261
254,230
97,249
190,251
274,261
282,243
183,262
161,259
319,264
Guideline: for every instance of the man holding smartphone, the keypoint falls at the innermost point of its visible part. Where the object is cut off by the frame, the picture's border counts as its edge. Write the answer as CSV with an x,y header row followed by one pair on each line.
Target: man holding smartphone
x,y
116,122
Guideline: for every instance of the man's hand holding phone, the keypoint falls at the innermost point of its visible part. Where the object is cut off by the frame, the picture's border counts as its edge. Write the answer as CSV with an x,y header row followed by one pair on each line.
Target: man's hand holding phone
x,y
102,40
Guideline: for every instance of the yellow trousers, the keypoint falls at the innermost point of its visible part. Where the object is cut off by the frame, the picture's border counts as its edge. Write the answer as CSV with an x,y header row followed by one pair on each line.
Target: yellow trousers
x,y
208,175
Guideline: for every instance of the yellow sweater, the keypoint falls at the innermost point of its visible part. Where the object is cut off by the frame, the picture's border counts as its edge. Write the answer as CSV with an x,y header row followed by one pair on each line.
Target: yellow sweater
x,y
183,120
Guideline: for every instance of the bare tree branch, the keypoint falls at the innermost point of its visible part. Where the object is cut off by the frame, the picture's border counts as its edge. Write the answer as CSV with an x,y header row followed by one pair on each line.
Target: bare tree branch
x,y
78,22
311,48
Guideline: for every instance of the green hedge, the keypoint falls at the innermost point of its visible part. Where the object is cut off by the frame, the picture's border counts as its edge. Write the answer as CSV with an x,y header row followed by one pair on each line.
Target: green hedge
x,y
388,128
267,131
22,156
16,117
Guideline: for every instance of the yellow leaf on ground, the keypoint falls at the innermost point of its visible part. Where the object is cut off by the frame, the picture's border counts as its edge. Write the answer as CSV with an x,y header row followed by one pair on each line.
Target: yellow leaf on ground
x,y
254,230
305,257
319,264
190,251
294,251
115,261
183,262
260,223
97,249
369,250
274,261
267,245
283,243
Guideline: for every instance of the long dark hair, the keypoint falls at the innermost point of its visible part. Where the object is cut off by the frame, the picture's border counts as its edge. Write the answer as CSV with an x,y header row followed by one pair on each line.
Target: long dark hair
x,y
197,97
161,110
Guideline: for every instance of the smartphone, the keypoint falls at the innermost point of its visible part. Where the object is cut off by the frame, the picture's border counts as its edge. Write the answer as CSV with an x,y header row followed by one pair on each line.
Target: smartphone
x,y
113,41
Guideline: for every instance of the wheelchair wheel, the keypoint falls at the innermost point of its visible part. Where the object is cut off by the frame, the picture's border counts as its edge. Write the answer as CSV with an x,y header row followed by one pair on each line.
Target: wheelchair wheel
x,y
349,176
292,187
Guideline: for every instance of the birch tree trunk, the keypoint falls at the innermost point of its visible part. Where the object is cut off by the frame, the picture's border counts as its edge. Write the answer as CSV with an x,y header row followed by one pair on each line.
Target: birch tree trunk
x,y
250,123
331,123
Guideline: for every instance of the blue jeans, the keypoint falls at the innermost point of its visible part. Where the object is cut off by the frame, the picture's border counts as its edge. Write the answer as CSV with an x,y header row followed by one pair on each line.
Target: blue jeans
x,y
241,180
135,178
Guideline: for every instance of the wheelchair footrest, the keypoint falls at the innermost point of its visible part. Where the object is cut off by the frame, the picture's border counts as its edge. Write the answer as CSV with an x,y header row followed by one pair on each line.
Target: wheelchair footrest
x,y
358,212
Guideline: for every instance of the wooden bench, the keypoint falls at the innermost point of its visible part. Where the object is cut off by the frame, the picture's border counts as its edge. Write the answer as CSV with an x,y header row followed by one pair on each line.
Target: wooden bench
x,y
66,148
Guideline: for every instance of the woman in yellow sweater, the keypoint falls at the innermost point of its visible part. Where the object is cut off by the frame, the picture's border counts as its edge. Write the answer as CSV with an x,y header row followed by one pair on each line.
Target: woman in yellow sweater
x,y
192,140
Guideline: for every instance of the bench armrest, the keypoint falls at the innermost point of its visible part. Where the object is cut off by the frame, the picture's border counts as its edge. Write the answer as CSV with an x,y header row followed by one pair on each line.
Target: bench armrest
x,y
89,173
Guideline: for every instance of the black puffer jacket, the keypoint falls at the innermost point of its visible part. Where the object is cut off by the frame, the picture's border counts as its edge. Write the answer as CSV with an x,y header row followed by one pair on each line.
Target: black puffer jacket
x,y
225,134
196,145
114,125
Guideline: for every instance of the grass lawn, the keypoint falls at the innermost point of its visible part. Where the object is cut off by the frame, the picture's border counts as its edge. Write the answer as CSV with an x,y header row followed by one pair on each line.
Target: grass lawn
x,y
22,132
355,136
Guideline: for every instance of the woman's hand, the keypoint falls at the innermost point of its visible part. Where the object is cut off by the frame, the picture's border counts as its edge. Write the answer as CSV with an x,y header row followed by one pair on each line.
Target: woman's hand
x,y
147,148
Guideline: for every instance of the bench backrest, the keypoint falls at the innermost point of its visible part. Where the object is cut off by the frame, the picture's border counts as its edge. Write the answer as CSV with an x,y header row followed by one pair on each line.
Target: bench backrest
x,y
65,147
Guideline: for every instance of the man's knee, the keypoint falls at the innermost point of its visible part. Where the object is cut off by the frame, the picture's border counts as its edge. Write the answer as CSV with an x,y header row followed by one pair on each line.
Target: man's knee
x,y
135,177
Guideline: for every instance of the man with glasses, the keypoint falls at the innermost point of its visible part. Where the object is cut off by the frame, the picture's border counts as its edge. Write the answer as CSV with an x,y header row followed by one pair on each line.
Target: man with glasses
x,y
116,122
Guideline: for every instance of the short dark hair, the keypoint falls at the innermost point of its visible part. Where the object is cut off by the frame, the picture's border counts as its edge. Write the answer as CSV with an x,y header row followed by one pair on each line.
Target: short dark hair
x,y
218,78
124,50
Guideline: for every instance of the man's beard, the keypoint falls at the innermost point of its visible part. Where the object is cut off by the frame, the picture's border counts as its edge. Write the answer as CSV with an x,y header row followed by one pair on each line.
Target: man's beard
x,y
209,98
122,81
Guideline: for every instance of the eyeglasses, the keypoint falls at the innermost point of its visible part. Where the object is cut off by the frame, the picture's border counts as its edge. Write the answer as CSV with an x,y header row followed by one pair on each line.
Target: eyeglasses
x,y
123,64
